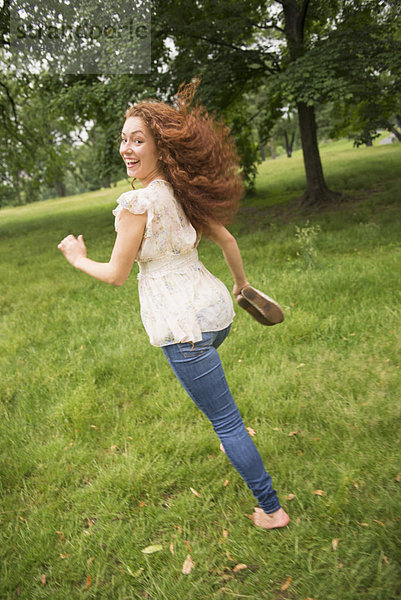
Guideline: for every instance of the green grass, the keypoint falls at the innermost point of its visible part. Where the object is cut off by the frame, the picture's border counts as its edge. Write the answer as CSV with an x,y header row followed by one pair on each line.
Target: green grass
x,y
100,446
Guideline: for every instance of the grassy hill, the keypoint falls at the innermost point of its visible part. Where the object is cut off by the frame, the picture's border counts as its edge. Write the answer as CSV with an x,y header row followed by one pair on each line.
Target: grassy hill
x,y
100,447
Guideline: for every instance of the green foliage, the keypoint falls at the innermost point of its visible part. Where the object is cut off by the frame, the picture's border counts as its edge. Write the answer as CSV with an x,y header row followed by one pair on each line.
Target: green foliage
x,y
258,60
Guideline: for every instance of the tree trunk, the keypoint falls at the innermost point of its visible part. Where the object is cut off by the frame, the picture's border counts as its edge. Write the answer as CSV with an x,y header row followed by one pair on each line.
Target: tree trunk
x,y
17,187
317,191
289,144
262,151
106,180
60,188
396,133
272,150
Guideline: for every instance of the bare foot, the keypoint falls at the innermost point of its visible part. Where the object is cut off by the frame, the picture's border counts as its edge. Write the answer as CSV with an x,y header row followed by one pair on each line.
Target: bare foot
x,y
222,448
276,519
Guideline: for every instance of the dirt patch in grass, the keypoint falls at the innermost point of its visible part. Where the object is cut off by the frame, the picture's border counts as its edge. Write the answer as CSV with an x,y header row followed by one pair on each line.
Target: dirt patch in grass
x,y
262,217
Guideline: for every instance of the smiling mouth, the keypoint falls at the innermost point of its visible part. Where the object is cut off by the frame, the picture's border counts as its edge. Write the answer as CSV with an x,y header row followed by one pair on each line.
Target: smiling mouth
x,y
131,163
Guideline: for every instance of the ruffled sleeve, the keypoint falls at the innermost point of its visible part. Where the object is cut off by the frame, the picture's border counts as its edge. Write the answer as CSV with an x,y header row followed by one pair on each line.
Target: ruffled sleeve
x,y
137,202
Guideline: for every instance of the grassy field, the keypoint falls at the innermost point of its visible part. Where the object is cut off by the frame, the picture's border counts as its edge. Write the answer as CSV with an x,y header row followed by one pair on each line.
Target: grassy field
x,y
100,447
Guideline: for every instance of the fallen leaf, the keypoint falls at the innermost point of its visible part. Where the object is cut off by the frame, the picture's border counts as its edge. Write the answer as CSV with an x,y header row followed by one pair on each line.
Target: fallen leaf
x,y
141,504
316,439
292,433
300,365
136,574
225,484
89,561
171,547
363,524
63,556
276,428
356,486
225,533
188,545
251,431
61,534
290,497
286,584
22,519
88,582
298,521
398,477
334,543
385,558
94,427
152,549
229,556
379,522
239,567
43,579
179,529
318,493
195,492
188,565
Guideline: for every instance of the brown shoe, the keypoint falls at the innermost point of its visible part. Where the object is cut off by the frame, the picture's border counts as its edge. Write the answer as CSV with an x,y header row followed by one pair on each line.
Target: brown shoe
x,y
262,308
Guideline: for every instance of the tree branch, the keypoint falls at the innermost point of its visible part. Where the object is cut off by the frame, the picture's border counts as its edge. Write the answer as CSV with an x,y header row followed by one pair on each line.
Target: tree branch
x,y
205,38
304,10
244,51
11,102
273,26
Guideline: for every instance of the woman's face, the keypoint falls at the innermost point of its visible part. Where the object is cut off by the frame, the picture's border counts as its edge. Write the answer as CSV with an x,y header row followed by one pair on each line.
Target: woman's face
x,y
139,152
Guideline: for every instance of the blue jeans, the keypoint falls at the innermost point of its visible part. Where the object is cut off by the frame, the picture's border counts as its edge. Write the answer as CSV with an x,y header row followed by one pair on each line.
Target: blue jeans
x,y
198,367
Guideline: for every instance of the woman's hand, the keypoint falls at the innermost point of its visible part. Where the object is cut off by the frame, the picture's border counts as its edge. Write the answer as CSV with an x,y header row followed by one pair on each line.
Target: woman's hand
x,y
238,287
73,248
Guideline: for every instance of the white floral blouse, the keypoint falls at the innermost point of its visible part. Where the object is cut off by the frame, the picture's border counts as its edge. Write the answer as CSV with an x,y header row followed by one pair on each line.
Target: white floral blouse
x,y
179,297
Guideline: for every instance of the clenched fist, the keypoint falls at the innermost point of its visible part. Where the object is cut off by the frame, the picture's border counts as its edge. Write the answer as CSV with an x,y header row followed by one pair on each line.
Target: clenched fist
x,y
73,248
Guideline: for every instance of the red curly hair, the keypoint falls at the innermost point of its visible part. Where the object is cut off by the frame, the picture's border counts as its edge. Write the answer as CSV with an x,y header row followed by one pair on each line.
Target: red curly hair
x,y
198,157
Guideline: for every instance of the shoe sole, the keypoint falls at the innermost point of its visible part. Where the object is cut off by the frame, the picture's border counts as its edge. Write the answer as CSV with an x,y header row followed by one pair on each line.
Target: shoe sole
x,y
264,309
254,312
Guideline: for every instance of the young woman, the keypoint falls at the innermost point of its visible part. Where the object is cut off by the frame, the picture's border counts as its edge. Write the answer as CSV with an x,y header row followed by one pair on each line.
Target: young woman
x,y
188,168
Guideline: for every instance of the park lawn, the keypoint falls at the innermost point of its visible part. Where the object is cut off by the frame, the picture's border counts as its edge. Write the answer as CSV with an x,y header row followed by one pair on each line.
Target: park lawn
x,y
101,449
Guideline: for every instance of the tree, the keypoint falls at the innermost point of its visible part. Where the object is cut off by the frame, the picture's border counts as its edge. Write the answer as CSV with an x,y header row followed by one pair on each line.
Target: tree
x,y
43,112
306,52
256,57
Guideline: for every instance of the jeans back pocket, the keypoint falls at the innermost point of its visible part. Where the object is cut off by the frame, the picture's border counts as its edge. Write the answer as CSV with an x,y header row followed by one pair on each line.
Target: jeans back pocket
x,y
195,349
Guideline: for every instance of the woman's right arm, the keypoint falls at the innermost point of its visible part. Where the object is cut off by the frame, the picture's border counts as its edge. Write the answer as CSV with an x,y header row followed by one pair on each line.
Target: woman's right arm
x,y
131,228
227,242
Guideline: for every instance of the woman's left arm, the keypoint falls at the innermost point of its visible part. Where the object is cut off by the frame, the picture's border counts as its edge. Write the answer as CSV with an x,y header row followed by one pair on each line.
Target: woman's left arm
x,y
131,228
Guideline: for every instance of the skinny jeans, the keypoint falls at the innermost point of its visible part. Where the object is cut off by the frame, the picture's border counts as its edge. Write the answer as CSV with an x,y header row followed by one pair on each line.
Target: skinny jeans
x,y
198,368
